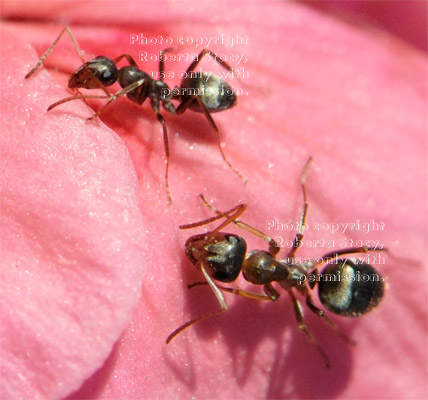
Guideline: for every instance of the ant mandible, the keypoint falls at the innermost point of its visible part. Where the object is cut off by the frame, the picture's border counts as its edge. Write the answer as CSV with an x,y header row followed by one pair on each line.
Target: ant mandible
x,y
206,93
221,256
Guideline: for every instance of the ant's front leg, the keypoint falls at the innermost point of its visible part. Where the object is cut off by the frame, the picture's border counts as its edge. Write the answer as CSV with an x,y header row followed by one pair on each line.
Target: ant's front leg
x,y
220,299
231,215
270,293
80,96
274,247
53,45
120,93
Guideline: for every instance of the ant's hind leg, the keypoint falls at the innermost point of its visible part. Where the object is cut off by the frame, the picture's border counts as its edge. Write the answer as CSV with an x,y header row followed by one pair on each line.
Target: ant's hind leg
x,y
299,236
334,255
49,50
201,55
321,313
180,109
130,60
162,62
167,154
302,326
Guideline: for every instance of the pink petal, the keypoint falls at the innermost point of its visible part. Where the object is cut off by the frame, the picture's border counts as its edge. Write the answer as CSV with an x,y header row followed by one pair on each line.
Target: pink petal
x,y
72,236
405,19
354,101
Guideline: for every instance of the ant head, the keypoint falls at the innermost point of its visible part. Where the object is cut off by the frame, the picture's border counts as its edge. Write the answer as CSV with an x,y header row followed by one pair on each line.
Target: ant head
x,y
94,74
221,253
350,288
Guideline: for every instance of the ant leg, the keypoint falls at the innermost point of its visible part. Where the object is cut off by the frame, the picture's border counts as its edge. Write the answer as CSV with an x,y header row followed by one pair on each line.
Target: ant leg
x,y
212,123
166,146
363,250
162,62
271,293
130,60
333,255
231,215
216,58
201,55
302,326
49,50
274,247
299,236
220,299
75,97
183,106
321,314
211,207
214,126
120,93
78,96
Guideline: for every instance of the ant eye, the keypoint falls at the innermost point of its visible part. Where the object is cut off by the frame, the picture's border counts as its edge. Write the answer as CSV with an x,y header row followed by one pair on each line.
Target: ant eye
x,y
104,70
106,75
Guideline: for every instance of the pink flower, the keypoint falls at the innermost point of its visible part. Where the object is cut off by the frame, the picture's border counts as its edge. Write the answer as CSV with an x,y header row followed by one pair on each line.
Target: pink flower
x,y
94,276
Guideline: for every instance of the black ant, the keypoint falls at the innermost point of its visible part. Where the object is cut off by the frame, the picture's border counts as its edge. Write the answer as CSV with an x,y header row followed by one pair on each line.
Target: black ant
x,y
346,287
200,92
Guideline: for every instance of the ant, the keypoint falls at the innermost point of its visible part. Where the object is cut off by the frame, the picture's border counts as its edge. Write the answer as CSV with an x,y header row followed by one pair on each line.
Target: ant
x,y
200,92
343,287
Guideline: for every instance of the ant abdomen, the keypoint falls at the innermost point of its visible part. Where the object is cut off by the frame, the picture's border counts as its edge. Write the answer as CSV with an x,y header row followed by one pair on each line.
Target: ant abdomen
x,y
216,94
222,254
350,288
260,267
